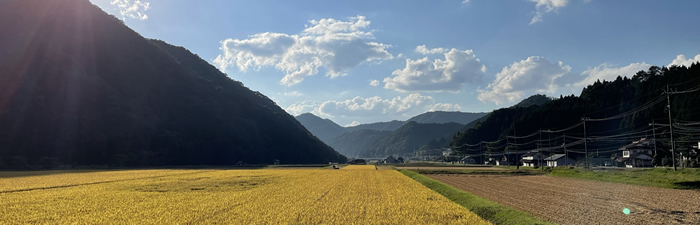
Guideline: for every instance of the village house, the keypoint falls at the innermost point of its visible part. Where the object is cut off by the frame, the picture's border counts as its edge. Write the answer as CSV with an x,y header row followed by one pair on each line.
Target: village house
x,y
447,152
532,159
558,160
467,160
391,160
637,154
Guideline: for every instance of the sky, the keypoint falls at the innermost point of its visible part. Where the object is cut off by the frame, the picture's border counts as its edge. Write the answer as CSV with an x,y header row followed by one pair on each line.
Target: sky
x,y
357,61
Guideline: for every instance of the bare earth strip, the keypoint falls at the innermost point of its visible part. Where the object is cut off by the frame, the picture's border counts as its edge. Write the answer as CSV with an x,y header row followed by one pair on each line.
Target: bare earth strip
x,y
447,168
574,201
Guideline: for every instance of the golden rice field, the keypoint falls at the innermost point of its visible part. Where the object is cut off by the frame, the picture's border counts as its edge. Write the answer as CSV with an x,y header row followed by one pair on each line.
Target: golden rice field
x,y
352,195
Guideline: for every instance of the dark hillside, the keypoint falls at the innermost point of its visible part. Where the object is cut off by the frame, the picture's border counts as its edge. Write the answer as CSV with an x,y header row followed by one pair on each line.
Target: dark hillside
x,y
78,87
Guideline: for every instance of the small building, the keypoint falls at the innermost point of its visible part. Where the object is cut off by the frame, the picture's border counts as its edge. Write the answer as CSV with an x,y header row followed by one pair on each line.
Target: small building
x,y
637,154
506,160
532,159
358,162
493,160
559,160
467,160
447,152
277,162
391,160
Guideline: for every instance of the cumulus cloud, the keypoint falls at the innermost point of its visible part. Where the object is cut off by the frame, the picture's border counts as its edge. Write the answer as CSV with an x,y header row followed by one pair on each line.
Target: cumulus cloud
x,y
338,46
608,72
293,93
426,51
438,75
352,124
374,83
534,74
445,107
132,8
303,107
546,6
680,60
359,108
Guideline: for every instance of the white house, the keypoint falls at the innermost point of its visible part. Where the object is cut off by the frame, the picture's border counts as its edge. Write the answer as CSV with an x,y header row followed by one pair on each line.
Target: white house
x,y
559,160
532,159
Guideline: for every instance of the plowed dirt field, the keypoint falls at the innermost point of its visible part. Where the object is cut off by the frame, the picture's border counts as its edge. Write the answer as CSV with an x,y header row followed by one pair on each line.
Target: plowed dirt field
x,y
574,201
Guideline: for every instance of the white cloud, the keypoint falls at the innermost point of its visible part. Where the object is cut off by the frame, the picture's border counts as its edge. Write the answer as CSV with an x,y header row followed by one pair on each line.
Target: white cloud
x,y
303,107
534,74
374,83
450,74
352,124
359,108
338,46
609,73
546,6
681,60
293,93
132,8
445,107
426,51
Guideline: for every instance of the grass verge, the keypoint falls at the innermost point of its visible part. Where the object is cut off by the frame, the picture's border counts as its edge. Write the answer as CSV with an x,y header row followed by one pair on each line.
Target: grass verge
x,y
656,177
493,212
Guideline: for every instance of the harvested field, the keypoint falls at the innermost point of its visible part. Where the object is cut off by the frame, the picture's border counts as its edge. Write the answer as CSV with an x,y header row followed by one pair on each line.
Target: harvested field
x,y
573,201
448,168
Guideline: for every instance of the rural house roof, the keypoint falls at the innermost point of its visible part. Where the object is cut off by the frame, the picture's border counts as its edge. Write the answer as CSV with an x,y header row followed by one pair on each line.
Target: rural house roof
x,y
633,156
529,154
555,157
641,144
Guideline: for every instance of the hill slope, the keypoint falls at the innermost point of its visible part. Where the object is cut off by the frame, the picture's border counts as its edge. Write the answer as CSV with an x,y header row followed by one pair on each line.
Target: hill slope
x,y
351,143
390,126
79,87
408,138
324,129
447,117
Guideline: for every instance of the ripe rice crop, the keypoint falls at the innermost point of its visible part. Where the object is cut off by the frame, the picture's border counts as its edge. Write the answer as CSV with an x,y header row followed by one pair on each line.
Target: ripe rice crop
x,y
360,167
309,196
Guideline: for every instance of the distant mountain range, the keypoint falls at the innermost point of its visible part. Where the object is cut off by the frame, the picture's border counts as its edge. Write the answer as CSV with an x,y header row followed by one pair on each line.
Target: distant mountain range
x,y
399,137
78,87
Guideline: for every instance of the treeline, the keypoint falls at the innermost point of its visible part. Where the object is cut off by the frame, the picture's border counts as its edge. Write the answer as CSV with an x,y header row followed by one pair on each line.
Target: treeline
x,y
622,108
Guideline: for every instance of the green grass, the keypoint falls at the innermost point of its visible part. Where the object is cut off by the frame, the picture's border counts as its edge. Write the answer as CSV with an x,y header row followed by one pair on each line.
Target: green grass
x,y
656,177
495,213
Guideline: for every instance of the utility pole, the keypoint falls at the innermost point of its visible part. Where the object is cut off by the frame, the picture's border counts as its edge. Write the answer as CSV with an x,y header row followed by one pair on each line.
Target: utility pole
x,y
539,149
585,140
670,124
515,139
483,159
566,154
653,129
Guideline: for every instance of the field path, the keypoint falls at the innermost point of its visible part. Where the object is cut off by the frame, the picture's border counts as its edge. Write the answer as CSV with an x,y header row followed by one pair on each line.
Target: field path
x,y
574,201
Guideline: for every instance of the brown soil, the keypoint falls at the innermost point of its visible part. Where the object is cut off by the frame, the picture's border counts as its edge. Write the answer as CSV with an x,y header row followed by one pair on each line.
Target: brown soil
x,y
575,201
447,168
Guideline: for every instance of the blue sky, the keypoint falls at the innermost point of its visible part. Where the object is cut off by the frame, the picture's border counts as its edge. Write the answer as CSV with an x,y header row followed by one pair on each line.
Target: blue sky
x,y
368,61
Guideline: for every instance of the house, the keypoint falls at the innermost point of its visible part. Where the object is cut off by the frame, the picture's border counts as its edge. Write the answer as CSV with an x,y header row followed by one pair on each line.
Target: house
x,y
467,160
637,154
532,159
559,160
506,161
391,159
447,152
276,162
358,162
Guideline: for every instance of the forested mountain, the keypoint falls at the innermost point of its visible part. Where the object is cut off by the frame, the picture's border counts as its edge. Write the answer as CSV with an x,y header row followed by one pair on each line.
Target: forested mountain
x,y
408,138
351,143
78,87
390,126
538,99
616,112
446,117
324,129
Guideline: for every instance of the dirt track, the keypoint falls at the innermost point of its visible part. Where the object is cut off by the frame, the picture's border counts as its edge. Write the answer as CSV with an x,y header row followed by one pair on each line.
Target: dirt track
x,y
447,168
574,201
